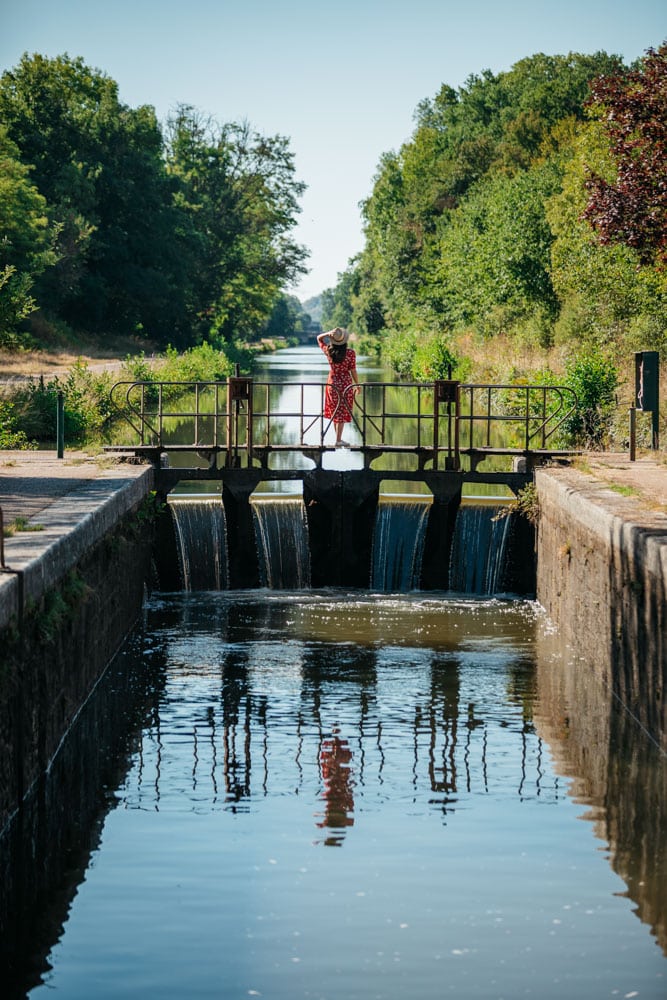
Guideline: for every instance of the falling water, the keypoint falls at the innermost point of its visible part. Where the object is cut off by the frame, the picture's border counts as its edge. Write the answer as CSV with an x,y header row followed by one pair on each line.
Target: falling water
x,y
281,532
398,545
478,550
201,534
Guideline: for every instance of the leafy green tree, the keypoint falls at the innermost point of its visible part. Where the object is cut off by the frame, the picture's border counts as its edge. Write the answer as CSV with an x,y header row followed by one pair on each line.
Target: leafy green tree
x,y
495,254
606,294
99,164
441,197
338,302
287,319
26,240
237,198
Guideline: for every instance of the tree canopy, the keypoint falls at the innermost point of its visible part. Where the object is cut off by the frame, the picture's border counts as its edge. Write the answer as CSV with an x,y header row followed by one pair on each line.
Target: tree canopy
x,y
179,233
632,208
527,203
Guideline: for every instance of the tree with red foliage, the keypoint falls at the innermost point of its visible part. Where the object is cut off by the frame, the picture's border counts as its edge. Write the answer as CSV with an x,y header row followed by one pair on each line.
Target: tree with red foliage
x,y
633,109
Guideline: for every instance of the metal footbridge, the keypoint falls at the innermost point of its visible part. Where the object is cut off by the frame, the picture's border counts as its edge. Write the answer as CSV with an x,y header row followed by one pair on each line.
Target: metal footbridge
x,y
444,426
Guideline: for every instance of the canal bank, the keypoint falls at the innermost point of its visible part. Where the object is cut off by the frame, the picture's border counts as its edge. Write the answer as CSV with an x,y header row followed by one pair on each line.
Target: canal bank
x,y
602,576
71,587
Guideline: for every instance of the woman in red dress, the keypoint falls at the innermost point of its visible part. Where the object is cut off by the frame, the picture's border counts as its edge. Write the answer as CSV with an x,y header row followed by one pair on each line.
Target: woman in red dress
x,y
343,383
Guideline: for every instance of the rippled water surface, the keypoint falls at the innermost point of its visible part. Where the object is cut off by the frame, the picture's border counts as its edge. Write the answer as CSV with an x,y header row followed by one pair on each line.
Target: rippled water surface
x,y
354,796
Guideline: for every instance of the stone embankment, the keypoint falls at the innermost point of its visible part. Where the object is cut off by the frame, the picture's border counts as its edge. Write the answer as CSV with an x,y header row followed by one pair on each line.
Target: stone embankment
x,y
70,589
602,575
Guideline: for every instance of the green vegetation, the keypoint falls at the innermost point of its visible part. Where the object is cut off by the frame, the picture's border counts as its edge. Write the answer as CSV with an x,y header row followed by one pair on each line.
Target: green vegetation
x,y
115,225
527,505
520,234
526,214
625,491
21,524
28,413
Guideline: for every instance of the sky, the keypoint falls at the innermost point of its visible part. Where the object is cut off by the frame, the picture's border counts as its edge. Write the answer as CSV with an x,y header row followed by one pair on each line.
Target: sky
x,y
342,80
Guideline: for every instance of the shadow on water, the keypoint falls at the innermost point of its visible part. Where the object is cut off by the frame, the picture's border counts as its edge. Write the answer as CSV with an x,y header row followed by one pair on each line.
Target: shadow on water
x,y
617,771
47,846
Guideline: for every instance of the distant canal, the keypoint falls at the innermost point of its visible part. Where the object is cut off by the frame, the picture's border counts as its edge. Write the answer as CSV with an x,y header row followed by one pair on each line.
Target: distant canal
x,y
341,795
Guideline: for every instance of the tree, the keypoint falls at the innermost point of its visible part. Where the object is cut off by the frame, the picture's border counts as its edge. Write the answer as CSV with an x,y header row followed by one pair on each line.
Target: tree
x,y
604,290
99,165
496,251
632,207
287,319
237,199
455,229
338,302
26,240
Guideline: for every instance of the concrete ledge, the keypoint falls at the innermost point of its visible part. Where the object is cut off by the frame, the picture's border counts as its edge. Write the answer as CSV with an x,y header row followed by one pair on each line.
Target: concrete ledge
x,y
71,526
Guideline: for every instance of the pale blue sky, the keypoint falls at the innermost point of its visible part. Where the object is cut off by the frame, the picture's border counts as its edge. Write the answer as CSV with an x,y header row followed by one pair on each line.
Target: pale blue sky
x,y
342,80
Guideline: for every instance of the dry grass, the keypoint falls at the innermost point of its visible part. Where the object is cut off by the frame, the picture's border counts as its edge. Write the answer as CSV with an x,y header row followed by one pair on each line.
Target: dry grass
x,y
60,358
501,359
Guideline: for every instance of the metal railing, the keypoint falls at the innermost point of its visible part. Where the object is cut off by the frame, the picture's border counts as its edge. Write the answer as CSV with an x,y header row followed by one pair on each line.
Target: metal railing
x,y
440,421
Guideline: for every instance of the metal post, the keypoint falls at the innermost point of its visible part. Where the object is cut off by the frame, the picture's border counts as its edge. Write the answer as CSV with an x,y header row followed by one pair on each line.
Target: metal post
x,y
60,424
633,433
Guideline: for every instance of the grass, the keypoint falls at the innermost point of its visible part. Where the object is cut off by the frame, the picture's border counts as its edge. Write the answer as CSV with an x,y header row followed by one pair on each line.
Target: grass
x,y
626,491
21,524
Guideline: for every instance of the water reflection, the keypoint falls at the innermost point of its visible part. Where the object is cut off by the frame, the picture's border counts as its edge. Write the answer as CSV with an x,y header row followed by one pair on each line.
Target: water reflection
x,y
442,747
338,794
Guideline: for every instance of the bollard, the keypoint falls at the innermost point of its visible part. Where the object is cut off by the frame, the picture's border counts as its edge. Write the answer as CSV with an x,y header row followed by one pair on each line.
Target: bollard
x,y
60,424
633,433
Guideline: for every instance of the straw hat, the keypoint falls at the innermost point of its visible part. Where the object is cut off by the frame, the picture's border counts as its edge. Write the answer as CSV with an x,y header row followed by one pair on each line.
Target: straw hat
x,y
338,335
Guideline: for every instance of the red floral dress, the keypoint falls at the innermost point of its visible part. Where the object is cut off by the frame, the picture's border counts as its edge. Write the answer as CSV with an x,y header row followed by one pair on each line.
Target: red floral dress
x,y
339,394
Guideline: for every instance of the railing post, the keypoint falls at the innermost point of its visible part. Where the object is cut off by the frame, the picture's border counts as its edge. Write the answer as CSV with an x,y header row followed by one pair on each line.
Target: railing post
x,y
239,391
633,433
60,424
446,391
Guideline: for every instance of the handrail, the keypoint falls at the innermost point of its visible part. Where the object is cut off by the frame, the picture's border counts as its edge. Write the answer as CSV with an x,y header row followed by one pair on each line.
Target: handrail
x,y
436,419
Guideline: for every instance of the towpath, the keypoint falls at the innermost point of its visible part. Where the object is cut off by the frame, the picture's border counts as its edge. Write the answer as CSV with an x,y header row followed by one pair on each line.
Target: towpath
x,y
30,481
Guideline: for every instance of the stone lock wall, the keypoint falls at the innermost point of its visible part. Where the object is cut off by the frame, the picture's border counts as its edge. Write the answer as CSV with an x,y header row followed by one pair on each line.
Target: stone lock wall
x,y
602,579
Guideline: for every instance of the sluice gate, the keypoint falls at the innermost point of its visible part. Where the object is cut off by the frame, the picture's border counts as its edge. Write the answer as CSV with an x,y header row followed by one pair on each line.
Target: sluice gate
x,y
347,539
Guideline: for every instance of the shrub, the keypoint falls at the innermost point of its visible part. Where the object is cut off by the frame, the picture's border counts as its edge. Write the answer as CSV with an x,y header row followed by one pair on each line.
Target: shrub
x,y
399,349
86,405
594,379
11,436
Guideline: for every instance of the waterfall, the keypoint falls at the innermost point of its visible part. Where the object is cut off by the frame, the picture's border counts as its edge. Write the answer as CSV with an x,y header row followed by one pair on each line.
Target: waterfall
x,y
478,550
398,545
201,537
281,532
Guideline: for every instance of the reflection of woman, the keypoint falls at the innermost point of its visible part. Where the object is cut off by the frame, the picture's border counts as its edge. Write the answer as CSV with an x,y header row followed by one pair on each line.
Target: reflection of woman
x,y
335,765
343,383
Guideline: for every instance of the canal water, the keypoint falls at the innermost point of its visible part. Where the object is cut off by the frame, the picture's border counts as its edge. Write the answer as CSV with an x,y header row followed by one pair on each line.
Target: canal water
x,y
360,795
357,795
